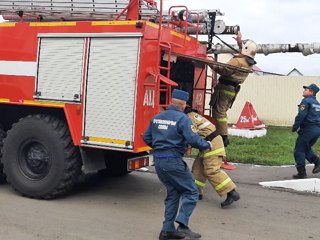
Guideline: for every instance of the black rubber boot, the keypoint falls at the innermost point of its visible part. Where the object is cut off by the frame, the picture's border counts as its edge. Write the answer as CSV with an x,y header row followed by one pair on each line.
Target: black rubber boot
x,y
200,196
171,235
301,173
231,197
316,161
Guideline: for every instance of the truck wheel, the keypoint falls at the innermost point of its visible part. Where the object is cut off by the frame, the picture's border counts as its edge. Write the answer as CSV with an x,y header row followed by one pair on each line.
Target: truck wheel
x,y
39,157
2,175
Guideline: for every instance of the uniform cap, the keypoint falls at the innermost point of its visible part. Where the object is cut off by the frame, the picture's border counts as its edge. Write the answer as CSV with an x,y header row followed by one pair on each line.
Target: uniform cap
x,y
313,87
181,95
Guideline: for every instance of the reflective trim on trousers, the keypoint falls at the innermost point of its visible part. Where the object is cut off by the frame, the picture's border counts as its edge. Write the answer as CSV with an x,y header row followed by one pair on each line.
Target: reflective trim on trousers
x,y
223,184
200,184
219,150
222,119
229,93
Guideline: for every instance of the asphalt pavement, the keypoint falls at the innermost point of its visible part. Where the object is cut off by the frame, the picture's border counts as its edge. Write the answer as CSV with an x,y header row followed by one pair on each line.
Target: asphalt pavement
x,y
131,207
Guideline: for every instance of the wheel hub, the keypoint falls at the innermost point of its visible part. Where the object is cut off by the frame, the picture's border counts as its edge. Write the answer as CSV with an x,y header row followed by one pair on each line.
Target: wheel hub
x,y
34,160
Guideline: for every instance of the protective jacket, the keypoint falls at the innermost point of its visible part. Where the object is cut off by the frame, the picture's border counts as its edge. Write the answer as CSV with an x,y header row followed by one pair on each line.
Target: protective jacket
x,y
226,90
207,164
233,76
308,115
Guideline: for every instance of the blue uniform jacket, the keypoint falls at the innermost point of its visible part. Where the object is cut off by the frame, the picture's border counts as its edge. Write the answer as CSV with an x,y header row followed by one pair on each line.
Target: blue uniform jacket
x,y
170,131
308,115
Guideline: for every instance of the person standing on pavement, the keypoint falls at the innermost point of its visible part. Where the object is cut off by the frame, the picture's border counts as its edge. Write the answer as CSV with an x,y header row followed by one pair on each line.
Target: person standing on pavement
x,y
168,134
229,85
207,164
307,123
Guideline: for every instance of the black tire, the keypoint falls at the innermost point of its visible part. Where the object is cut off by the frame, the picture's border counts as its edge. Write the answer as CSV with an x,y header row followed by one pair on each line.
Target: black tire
x,y
39,157
2,175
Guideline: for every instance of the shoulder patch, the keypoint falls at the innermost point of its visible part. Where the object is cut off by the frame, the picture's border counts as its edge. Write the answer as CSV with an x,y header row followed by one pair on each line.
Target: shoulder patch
x,y
302,107
198,117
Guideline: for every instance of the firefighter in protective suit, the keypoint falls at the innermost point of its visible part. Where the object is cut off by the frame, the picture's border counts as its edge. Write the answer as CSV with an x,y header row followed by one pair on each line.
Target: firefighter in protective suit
x,y
208,162
229,85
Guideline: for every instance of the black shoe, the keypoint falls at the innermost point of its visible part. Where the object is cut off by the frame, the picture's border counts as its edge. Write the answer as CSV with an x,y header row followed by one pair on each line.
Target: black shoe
x,y
200,197
231,197
188,233
171,235
316,162
301,173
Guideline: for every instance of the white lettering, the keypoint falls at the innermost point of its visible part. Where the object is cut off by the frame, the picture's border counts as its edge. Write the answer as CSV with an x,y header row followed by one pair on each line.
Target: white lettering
x,y
244,119
148,99
165,122
163,127
316,107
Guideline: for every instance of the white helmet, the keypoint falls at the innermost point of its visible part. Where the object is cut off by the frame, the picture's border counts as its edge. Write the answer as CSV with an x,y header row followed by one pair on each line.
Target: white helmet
x,y
249,48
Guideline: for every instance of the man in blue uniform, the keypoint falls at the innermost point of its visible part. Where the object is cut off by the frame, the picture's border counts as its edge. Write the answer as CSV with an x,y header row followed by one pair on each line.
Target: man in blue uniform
x,y
168,134
308,123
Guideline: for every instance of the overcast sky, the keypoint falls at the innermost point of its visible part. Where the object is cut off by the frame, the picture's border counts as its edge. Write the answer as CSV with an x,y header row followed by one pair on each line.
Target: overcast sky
x,y
271,21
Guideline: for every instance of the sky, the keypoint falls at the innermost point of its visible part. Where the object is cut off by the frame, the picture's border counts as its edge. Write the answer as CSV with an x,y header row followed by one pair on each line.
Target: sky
x,y
273,22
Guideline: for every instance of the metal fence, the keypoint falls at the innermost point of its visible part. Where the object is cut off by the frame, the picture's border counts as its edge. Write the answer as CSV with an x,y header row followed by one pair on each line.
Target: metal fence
x,y
274,98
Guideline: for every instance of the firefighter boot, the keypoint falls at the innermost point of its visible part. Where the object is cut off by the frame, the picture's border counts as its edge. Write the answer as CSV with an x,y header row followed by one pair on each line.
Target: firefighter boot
x,y
200,196
171,235
231,197
301,173
225,140
316,161
187,232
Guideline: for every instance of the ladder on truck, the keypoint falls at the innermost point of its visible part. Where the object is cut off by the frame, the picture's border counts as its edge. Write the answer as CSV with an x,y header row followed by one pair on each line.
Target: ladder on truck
x,y
66,10
199,21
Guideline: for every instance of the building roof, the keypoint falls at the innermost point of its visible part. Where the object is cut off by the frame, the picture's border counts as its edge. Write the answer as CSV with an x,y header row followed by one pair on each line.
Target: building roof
x,y
294,72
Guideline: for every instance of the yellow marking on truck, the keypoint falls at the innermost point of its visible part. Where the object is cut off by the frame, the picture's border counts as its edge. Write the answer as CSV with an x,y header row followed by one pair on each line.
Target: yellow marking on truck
x,y
7,24
48,104
174,33
151,24
108,140
143,149
4,100
52,24
115,23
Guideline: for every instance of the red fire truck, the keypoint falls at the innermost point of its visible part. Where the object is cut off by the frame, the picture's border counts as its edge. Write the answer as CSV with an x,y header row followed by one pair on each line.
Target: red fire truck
x,y
80,81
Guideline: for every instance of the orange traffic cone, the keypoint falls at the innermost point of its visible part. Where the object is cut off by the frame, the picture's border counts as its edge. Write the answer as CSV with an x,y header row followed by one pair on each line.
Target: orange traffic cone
x,y
248,118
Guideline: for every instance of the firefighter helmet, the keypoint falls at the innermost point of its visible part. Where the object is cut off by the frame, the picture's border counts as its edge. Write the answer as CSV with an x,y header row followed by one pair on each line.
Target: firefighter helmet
x,y
249,48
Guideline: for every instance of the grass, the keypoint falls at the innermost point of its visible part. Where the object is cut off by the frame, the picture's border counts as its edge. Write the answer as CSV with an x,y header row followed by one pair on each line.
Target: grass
x,y
276,148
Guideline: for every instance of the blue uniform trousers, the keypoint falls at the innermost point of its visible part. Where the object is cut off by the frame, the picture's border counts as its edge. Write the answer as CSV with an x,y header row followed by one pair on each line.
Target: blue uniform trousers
x,y
175,175
306,139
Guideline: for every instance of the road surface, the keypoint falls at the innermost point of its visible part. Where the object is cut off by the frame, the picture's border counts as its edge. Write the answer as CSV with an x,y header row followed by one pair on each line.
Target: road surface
x,y
131,207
